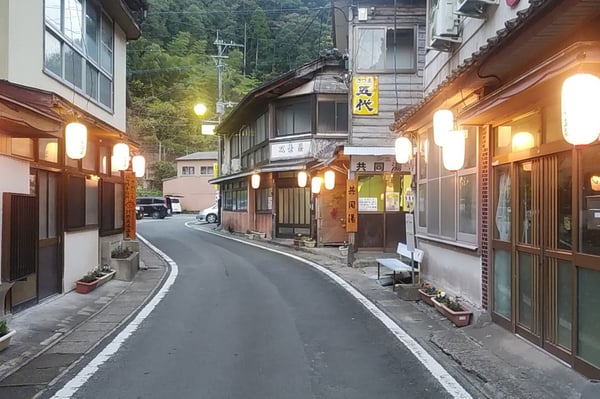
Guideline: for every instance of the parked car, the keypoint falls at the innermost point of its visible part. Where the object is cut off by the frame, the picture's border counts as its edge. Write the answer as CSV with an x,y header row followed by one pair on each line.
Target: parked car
x,y
173,204
139,212
208,215
156,207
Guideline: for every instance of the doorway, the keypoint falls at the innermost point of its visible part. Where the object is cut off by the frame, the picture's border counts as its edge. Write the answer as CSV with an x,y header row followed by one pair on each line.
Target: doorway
x,y
49,272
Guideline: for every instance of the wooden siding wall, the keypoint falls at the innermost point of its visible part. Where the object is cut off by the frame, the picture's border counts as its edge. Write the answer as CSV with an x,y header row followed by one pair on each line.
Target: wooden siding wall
x,y
395,92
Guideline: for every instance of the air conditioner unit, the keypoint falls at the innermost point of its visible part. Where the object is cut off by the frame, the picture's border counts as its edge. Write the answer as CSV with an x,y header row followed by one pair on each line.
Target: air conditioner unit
x,y
235,165
474,8
225,168
443,25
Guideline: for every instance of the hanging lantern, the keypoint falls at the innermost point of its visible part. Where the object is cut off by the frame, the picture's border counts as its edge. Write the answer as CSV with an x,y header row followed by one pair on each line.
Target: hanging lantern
x,y
302,178
453,151
329,179
522,141
76,140
403,149
138,165
443,122
315,184
120,156
255,181
595,182
579,102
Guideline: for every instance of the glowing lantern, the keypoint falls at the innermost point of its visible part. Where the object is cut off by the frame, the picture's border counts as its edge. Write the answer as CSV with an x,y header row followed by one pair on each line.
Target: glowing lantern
x,y
315,184
51,152
595,182
120,156
76,140
329,179
255,181
302,178
138,165
403,149
443,122
453,151
522,141
580,116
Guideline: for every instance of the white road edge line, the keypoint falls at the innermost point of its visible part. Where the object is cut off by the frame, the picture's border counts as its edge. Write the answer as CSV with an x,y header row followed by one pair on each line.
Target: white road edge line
x,y
90,369
439,373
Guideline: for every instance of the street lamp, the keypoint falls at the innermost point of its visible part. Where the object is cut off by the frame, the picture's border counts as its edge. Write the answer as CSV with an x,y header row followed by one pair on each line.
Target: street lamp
x,y
206,129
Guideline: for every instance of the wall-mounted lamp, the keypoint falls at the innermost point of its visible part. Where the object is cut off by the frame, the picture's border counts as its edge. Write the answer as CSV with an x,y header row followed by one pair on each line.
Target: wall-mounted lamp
x,y
329,179
595,182
315,184
255,181
76,140
302,178
453,151
120,157
403,149
579,101
138,165
522,141
51,151
443,122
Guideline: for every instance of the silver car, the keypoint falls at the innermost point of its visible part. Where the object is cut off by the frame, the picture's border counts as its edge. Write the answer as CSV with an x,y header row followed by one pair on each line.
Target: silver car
x,y
208,215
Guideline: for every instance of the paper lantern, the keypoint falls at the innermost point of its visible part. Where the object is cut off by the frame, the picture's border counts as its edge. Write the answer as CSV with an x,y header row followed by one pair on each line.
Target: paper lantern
x,y
329,179
595,182
315,185
255,181
51,152
302,178
453,151
443,122
120,156
403,149
138,165
76,140
522,141
579,101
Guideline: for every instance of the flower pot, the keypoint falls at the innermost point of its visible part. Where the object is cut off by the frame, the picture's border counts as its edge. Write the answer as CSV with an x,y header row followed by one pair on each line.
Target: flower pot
x,y
125,268
105,277
310,244
298,243
458,318
427,298
343,250
5,339
83,287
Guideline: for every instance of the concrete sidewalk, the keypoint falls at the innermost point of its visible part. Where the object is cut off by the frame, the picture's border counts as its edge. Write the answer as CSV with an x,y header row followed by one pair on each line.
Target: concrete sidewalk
x,y
487,360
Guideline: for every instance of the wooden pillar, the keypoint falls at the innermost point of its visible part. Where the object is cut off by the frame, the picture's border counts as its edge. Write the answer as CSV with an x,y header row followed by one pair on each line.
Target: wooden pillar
x,y
129,193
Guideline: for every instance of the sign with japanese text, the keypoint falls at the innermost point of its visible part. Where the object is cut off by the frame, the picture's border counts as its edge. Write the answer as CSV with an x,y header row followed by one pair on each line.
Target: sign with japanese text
x,y
380,164
290,149
351,206
129,192
368,204
365,95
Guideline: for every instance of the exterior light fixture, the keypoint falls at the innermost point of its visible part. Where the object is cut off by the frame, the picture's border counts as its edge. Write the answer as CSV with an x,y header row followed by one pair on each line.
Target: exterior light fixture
x,y
302,178
579,103
329,179
443,122
200,109
138,165
522,141
403,149
453,151
255,181
76,140
51,151
120,156
315,184
595,182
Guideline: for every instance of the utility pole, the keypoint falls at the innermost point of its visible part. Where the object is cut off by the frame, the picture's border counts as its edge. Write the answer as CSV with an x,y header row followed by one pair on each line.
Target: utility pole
x,y
222,47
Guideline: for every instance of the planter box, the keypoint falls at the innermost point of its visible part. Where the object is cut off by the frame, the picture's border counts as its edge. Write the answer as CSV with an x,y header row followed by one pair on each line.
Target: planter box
x,y
310,244
83,288
460,318
425,297
250,236
5,339
107,276
125,268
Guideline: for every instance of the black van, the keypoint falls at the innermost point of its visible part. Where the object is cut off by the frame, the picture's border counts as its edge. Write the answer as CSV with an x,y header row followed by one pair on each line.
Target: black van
x,y
151,206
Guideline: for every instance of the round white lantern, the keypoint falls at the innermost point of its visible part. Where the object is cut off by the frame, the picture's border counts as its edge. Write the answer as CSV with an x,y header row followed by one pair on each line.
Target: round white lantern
x,y
76,140
120,156
329,179
403,149
302,178
522,141
255,181
580,117
138,165
443,122
315,184
453,151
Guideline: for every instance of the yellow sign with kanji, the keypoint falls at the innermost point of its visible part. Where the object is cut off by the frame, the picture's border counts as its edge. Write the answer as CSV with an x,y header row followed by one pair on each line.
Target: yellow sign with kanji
x,y
365,95
351,206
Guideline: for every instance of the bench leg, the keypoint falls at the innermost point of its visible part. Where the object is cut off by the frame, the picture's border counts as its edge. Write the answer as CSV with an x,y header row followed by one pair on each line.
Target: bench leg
x,y
378,266
394,280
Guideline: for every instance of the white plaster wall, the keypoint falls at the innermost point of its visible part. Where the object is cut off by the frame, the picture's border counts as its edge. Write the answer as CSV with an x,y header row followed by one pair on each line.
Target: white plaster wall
x,y
81,256
475,32
14,179
26,31
454,272
3,38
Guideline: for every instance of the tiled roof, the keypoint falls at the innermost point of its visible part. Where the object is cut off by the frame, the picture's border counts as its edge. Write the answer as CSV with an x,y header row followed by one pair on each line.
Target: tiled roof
x,y
197,156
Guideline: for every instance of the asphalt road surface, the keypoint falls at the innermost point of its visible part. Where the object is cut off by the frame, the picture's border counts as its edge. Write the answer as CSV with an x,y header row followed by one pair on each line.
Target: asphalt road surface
x,y
242,322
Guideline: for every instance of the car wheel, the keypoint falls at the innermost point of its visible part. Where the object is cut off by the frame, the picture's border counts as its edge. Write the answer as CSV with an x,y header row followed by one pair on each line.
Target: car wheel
x,y
139,215
155,215
211,218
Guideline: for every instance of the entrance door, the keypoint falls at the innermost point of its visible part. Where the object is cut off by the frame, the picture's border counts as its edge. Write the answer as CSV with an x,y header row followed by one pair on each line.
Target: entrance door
x,y
542,257
49,275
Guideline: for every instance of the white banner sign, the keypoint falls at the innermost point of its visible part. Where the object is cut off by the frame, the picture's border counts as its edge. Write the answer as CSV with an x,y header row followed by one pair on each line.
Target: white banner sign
x,y
290,149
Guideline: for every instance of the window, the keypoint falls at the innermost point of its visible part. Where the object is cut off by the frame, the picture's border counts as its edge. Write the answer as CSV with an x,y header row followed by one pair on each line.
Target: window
x,y
385,49
78,47
589,208
207,170
261,129
294,118
264,199
82,202
447,201
235,196
188,170
48,150
112,207
332,116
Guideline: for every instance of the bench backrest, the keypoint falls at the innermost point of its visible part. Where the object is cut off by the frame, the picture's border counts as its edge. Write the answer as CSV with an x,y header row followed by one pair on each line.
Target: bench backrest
x,y
417,254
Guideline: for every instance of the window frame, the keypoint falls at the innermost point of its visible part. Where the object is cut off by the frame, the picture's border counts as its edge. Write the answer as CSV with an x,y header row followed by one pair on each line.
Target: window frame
x,y
235,196
386,69
339,103
291,105
188,170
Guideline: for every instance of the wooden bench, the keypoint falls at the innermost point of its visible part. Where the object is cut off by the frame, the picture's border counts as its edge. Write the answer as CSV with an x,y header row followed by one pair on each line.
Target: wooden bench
x,y
403,264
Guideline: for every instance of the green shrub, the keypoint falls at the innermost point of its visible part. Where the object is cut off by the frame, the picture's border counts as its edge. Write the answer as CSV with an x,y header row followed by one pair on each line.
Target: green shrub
x,y
3,327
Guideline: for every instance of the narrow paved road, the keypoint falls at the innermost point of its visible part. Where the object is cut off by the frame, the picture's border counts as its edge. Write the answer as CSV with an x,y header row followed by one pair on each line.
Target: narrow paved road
x,y
242,322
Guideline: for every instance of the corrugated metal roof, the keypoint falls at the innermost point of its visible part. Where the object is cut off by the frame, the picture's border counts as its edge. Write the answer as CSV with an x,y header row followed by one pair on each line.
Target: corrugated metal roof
x,y
197,156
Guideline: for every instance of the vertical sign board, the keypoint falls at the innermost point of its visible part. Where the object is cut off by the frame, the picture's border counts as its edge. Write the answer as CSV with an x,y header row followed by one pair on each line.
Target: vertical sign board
x,y
365,95
351,206
410,232
129,205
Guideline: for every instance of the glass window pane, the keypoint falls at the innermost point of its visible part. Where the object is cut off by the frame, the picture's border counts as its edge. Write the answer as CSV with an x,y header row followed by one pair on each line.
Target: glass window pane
x,y
589,226
471,148
52,205
525,290
91,202
118,206
302,118
402,57
48,150
341,121
52,11
422,205
22,147
448,207
73,67
433,207
107,45
525,203
43,204
371,193
92,31
588,303
552,123
564,205
52,55
504,134
467,208
423,155
502,287
326,118
105,86
73,27
370,54
434,158
503,208
91,81
89,161
564,295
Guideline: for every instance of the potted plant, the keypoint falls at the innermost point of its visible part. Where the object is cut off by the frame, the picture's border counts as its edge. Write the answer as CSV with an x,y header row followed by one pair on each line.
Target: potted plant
x,y
125,262
5,334
104,274
249,235
298,241
87,283
427,292
309,242
343,249
452,310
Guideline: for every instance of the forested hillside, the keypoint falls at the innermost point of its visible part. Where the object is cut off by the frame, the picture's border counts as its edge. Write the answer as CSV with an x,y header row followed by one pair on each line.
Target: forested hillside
x,y
170,68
